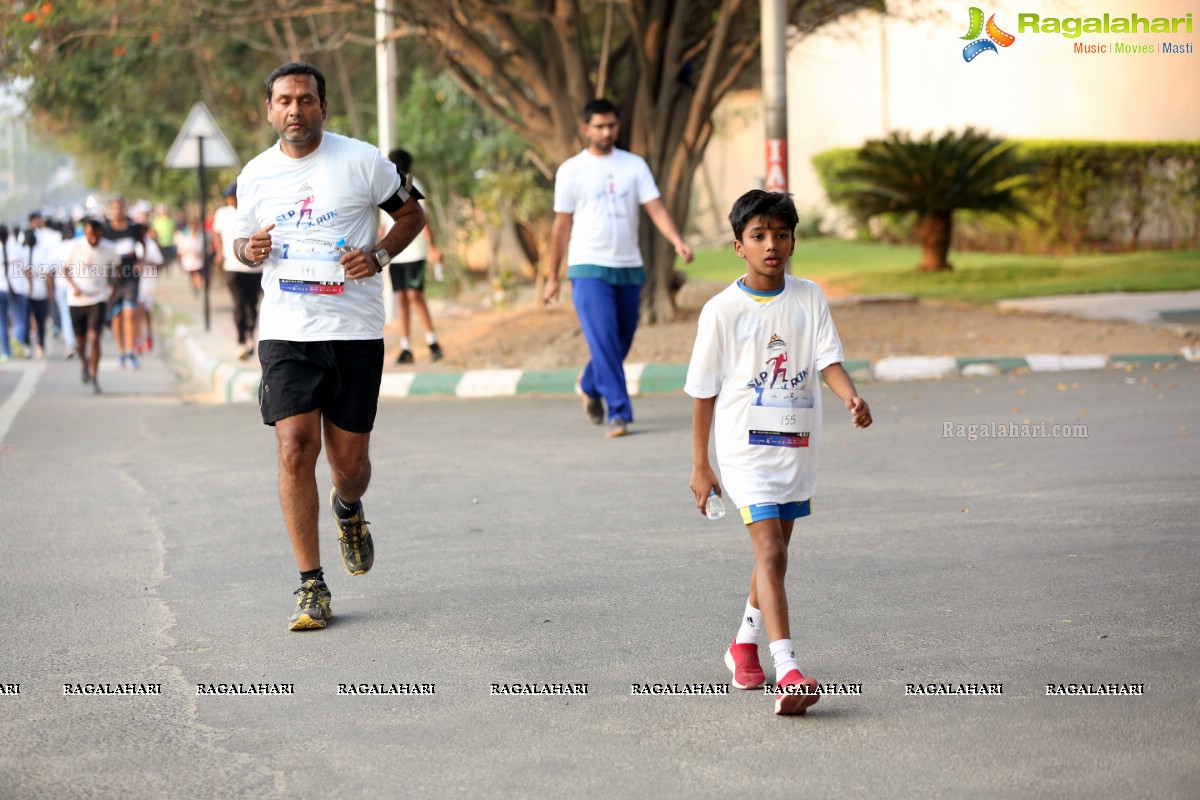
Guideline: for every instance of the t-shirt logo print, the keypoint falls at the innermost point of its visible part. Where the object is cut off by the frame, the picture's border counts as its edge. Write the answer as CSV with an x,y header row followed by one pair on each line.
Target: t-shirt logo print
x,y
305,204
779,347
995,36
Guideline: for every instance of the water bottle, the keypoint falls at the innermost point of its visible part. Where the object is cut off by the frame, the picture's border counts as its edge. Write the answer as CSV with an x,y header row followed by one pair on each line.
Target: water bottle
x,y
343,248
439,274
714,508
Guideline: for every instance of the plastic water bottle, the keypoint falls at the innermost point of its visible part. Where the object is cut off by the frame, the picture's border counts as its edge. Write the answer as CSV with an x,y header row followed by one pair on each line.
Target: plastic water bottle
x,y
439,274
343,248
714,508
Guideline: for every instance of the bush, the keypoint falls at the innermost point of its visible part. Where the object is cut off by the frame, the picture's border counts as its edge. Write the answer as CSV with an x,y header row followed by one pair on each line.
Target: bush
x,y
1086,197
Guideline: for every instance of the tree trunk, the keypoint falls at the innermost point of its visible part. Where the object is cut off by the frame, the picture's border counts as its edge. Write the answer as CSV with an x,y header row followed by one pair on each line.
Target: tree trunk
x,y
933,231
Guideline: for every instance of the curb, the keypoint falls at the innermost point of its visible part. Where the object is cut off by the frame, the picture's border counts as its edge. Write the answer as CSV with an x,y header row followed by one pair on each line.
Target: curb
x,y
239,383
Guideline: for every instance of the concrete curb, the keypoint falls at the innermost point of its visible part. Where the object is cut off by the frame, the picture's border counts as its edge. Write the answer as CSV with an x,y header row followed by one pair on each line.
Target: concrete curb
x,y
236,383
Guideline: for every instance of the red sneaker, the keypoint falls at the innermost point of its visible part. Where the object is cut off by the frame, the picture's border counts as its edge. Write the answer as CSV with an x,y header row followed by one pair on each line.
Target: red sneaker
x,y
795,693
742,660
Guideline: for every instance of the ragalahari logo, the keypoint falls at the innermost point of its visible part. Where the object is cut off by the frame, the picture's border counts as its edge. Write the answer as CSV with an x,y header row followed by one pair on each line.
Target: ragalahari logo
x,y
995,36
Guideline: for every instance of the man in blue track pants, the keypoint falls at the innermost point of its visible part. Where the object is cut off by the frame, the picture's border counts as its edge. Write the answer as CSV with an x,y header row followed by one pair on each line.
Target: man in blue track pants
x,y
597,195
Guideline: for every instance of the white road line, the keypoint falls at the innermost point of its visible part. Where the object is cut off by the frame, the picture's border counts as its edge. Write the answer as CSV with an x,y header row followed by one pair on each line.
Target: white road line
x,y
20,396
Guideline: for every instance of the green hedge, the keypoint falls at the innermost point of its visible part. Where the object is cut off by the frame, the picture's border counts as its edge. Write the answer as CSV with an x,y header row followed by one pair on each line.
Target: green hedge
x,y
1086,197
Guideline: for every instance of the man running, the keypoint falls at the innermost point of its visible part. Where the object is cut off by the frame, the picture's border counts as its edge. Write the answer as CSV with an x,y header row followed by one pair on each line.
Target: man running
x,y
321,326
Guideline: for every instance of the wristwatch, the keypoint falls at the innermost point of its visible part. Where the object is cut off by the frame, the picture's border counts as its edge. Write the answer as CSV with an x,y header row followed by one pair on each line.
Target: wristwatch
x,y
382,258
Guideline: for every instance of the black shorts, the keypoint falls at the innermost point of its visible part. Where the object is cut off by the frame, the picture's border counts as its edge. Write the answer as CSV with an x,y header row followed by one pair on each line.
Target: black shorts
x,y
88,319
407,275
126,295
341,378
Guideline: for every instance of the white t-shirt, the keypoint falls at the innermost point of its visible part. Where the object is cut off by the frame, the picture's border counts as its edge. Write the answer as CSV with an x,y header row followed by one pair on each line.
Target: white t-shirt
x,y
14,270
418,249
605,195
90,268
224,223
329,195
762,361
45,261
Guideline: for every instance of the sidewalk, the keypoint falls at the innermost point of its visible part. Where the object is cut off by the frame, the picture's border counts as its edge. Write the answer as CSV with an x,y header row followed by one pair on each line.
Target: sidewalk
x,y
210,357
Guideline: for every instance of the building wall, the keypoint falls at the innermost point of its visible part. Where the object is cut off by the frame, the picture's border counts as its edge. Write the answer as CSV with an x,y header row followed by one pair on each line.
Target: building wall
x,y
867,74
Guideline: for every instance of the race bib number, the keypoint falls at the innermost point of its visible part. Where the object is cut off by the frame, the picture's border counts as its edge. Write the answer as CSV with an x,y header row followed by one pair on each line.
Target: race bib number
x,y
309,268
781,417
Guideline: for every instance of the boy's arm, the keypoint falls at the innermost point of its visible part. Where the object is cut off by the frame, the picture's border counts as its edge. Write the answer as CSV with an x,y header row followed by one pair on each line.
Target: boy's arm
x,y
703,477
837,379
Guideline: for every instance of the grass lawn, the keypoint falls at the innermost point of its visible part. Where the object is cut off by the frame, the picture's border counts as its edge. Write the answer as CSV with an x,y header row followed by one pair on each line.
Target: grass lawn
x,y
868,268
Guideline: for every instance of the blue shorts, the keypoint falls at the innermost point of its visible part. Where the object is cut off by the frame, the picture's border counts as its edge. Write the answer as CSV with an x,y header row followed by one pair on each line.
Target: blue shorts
x,y
782,511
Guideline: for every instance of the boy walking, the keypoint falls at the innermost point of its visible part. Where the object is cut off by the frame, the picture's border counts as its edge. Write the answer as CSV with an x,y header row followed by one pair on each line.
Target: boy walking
x,y
759,346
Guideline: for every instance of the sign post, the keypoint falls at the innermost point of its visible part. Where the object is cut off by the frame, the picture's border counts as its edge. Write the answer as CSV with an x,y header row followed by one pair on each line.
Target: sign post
x,y
201,144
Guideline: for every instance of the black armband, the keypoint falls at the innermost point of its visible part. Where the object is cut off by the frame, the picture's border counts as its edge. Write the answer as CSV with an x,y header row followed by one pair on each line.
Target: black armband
x,y
395,202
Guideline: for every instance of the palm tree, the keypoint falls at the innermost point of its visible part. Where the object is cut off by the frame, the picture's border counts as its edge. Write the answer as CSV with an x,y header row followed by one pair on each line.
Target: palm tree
x,y
934,178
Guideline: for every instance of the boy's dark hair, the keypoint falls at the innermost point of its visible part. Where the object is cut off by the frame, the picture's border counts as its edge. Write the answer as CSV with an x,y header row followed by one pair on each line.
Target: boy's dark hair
x,y
402,159
297,68
757,203
599,106
91,222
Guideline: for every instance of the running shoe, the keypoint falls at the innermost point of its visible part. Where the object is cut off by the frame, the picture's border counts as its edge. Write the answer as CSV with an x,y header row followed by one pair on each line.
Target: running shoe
x,y
795,693
358,549
435,352
87,376
133,361
405,357
617,427
742,660
312,606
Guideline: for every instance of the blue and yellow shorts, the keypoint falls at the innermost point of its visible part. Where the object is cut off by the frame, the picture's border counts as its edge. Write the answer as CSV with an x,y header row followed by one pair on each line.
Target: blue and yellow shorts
x,y
784,511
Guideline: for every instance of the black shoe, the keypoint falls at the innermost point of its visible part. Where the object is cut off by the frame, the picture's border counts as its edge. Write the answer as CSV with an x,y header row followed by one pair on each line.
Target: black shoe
x,y
593,409
405,357
87,378
435,352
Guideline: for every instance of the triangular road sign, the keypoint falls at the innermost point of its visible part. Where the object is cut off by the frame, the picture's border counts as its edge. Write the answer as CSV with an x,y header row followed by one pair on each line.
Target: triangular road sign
x,y
201,127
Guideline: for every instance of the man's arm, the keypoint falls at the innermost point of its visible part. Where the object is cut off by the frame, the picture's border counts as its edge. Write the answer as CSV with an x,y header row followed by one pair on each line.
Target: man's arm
x,y
407,223
559,239
657,211
703,478
837,379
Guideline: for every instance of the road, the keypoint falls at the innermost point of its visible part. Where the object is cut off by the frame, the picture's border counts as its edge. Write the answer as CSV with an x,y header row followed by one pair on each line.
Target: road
x,y
516,545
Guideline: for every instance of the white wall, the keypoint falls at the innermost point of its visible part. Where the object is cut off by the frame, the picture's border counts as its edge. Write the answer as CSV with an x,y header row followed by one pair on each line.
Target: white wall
x,y
840,94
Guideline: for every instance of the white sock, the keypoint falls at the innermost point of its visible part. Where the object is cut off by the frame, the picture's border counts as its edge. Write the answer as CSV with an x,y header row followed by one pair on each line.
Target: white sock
x,y
752,625
785,658
430,337
405,344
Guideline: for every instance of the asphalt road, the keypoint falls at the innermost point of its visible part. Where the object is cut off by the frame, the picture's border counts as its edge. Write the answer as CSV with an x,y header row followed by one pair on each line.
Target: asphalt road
x,y
143,544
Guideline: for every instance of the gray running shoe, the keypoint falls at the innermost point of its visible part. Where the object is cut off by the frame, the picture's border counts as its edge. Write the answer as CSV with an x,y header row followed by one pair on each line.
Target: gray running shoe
x,y
312,607
617,427
358,549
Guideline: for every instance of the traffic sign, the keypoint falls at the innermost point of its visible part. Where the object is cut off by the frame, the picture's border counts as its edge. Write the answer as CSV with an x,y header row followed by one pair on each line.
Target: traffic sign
x,y
201,132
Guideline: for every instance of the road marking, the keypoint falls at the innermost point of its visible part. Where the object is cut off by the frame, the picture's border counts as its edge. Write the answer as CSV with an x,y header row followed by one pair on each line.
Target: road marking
x,y
20,396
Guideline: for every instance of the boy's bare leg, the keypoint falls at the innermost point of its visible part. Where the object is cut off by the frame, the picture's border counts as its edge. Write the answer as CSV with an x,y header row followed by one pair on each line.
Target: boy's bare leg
x,y
770,539
405,316
417,300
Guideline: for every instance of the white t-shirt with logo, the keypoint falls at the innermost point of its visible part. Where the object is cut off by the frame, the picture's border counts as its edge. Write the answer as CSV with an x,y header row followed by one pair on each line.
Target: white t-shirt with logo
x,y
762,361
314,202
90,268
605,195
